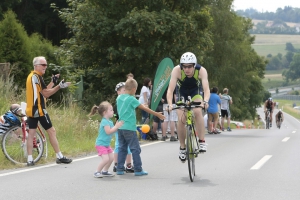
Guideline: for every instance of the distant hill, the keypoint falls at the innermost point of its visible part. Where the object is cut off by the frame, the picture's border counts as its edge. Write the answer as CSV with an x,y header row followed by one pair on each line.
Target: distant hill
x,y
287,14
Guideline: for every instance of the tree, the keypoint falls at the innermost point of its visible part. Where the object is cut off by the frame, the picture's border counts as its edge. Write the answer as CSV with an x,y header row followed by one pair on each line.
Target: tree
x,y
233,63
294,71
14,46
113,38
289,47
19,49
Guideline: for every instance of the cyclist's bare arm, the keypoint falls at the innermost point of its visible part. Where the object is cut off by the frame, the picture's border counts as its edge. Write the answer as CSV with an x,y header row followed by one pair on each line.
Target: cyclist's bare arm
x,y
148,110
175,75
205,84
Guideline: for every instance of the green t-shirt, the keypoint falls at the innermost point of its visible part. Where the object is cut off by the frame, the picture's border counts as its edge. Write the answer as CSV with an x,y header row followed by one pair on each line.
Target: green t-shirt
x,y
126,105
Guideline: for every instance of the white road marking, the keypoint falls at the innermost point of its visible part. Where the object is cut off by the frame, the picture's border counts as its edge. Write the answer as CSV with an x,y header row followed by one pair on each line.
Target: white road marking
x,y
260,163
285,139
294,132
52,165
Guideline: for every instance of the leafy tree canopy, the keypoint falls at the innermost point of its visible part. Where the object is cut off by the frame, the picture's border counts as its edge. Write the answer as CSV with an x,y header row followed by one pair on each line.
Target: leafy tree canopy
x,y
113,38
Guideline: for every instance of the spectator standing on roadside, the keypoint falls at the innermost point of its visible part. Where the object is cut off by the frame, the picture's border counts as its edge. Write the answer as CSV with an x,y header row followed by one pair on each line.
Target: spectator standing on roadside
x,y
171,118
226,100
212,111
36,92
145,97
130,75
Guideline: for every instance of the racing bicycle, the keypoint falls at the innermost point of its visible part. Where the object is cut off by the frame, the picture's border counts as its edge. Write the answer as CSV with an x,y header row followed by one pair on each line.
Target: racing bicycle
x,y
279,122
192,144
268,121
14,144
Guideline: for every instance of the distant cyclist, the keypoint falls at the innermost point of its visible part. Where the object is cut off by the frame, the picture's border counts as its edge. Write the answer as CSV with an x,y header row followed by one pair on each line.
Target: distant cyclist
x,y
269,105
191,79
279,116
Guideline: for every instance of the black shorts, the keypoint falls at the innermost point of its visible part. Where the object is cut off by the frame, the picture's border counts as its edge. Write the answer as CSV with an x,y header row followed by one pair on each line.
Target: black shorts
x,y
44,121
225,113
193,93
158,109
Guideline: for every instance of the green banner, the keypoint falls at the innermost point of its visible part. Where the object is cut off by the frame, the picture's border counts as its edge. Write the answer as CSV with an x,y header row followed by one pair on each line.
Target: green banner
x,y
161,81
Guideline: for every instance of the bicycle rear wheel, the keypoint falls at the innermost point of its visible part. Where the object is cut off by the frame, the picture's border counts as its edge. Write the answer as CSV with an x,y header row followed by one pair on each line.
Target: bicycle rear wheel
x,y
268,123
15,149
190,153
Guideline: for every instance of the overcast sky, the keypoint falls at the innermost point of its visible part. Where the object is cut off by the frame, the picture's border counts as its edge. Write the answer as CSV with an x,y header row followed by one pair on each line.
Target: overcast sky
x,y
265,5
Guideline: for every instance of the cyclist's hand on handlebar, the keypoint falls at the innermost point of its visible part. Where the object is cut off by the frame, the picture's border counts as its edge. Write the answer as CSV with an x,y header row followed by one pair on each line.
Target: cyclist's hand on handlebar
x,y
205,106
169,108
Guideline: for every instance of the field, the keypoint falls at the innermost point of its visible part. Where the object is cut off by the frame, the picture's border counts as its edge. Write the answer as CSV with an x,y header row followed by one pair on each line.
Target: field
x,y
273,44
290,24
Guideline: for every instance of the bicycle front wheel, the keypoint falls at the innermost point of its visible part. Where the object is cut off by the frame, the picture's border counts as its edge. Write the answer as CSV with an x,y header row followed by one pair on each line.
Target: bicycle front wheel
x,y
190,152
15,149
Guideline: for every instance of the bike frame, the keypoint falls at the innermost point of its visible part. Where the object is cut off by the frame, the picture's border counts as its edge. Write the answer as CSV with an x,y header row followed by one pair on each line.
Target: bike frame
x,y
192,145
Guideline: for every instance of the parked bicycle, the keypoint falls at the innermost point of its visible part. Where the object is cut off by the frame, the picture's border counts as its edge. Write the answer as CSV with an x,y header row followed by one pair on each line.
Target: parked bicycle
x,y
14,143
192,143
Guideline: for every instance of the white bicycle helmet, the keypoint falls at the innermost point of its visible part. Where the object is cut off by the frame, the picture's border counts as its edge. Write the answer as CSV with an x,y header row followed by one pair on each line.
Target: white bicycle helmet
x,y
188,57
119,85
270,99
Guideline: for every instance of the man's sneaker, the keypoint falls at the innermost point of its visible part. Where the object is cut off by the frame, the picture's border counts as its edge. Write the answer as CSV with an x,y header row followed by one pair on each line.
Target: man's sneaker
x,y
163,138
142,173
115,168
182,155
30,163
64,160
228,129
203,147
270,124
209,132
98,175
120,172
106,173
129,168
173,139
217,131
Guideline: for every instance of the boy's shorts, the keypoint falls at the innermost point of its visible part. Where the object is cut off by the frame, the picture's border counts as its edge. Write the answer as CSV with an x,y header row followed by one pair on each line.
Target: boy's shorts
x,y
102,150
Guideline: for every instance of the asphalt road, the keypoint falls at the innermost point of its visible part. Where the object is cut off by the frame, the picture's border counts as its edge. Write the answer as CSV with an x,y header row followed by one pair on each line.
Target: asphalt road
x,y
244,164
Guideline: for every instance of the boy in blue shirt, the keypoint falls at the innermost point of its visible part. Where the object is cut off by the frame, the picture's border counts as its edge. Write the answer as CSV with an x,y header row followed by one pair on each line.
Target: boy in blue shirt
x,y
126,105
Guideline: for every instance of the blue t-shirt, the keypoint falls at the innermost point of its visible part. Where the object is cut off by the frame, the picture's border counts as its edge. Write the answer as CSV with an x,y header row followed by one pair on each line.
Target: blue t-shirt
x,y
213,102
104,139
126,105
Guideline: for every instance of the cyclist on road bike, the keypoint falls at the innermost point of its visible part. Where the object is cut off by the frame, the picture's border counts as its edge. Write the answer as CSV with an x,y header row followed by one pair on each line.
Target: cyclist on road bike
x,y
192,80
269,105
279,116
10,118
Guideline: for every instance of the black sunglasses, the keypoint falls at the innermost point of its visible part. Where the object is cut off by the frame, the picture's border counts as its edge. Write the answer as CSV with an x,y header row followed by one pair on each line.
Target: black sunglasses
x,y
44,65
187,66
